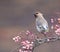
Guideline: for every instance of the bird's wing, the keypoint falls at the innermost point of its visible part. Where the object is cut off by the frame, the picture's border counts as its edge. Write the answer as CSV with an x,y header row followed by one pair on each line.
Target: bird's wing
x,y
46,27
39,27
42,27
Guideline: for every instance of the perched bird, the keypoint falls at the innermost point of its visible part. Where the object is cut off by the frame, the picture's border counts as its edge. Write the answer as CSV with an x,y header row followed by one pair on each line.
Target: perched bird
x,y
41,23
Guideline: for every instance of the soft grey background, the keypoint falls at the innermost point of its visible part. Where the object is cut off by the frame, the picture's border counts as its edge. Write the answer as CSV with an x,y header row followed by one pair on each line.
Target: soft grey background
x,y
17,15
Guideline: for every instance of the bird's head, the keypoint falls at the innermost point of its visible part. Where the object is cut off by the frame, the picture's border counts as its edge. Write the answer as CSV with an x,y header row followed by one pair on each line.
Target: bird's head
x,y
37,14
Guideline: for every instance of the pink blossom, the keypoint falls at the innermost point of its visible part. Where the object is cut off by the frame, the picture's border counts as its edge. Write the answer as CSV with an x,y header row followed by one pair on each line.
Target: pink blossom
x,y
20,50
25,51
57,31
58,20
57,26
32,42
24,47
27,32
52,20
27,44
23,43
17,38
27,41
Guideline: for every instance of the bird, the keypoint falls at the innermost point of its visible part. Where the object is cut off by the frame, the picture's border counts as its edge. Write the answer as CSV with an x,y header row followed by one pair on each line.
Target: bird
x,y
41,23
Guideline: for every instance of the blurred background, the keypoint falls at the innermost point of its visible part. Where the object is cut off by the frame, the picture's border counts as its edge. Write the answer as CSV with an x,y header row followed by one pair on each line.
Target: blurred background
x,y
17,16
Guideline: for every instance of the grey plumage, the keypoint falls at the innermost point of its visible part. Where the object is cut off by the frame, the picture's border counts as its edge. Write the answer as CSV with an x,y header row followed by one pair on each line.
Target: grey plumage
x,y
41,23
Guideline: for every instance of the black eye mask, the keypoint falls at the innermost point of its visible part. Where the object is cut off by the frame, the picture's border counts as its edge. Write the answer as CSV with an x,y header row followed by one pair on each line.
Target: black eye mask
x,y
35,15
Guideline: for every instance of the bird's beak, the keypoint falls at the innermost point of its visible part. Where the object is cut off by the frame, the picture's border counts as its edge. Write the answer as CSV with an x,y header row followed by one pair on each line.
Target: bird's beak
x,y
35,15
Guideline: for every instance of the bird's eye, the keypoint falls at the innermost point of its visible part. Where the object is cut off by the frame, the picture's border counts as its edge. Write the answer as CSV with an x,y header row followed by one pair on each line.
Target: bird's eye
x,y
36,13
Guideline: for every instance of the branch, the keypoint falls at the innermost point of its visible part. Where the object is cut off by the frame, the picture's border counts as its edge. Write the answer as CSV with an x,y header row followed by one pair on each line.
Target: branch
x,y
40,41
